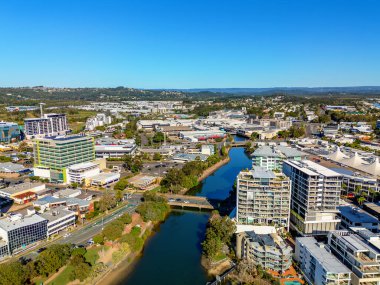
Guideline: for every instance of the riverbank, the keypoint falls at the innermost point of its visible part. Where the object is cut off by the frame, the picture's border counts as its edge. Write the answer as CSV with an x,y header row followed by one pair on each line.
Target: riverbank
x,y
213,168
125,265
172,254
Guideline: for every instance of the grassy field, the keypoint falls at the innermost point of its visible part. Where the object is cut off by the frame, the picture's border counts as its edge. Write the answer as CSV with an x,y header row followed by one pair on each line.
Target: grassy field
x,y
63,278
92,255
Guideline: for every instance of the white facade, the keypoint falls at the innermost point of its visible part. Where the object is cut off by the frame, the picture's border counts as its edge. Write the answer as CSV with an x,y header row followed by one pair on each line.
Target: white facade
x,y
318,265
59,219
78,173
315,197
263,197
98,121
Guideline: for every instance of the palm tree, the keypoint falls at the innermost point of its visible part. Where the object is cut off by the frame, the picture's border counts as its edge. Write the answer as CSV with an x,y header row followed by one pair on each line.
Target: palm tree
x,y
372,194
361,200
357,189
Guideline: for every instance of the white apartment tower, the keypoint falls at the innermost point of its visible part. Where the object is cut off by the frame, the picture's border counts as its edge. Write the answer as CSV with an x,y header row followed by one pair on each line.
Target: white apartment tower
x,y
315,197
263,197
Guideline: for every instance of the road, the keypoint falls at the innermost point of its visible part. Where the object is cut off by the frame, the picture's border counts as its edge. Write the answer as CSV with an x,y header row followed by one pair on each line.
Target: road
x,y
81,236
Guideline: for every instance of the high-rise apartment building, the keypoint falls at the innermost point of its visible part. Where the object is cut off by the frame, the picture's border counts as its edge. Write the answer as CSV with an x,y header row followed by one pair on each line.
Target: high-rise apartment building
x,y
263,197
54,154
315,197
45,126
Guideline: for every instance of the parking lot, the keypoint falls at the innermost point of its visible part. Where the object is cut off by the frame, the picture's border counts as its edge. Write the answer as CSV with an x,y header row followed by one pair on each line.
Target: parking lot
x,y
160,168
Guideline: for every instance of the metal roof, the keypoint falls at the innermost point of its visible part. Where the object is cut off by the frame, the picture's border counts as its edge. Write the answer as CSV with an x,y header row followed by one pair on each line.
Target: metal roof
x,y
356,215
328,261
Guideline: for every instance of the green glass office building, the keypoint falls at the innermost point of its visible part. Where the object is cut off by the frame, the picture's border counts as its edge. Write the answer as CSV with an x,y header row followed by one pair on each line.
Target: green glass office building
x,y
54,154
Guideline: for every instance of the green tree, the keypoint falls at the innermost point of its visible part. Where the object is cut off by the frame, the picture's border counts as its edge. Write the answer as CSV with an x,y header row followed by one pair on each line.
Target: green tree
x,y
173,177
98,239
107,202
153,211
158,137
5,159
361,200
113,230
212,245
81,269
157,156
255,136
119,195
78,251
13,273
121,184
53,258
126,218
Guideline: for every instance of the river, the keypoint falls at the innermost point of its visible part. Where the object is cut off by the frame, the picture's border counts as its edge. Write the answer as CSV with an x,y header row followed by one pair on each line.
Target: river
x,y
172,255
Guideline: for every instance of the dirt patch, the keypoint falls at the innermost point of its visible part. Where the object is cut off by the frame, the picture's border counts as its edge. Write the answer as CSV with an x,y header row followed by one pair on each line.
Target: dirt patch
x,y
105,255
216,268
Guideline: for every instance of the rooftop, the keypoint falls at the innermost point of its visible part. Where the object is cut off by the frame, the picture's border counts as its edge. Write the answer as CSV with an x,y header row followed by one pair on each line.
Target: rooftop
x,y
105,175
277,151
82,165
260,172
311,168
56,214
329,262
356,215
18,221
14,189
11,167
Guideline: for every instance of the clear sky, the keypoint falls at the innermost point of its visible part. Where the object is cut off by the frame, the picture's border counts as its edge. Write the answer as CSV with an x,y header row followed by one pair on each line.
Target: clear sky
x,y
189,43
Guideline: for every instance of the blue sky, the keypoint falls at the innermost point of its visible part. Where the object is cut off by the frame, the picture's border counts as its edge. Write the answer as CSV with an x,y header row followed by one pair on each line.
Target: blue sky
x,y
189,44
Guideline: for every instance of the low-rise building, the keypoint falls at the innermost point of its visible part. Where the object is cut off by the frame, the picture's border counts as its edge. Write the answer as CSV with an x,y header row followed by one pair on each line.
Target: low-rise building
x,y
98,121
318,265
23,193
103,179
195,136
58,219
360,252
12,170
9,132
79,206
78,173
356,217
372,208
111,148
18,232
263,246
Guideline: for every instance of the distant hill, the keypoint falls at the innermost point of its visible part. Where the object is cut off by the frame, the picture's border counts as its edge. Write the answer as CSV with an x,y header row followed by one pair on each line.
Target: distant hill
x,y
287,90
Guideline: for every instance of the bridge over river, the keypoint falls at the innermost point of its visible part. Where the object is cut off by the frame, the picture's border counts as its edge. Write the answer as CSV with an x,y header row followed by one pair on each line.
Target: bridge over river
x,y
185,201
